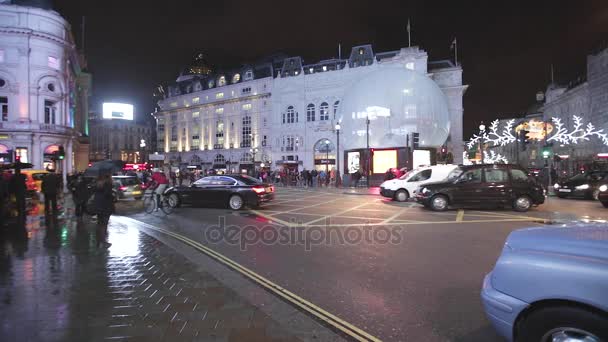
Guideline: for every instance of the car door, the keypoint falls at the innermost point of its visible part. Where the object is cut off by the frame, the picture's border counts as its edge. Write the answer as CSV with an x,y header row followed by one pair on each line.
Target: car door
x,y
496,187
467,190
418,179
195,193
225,188
520,183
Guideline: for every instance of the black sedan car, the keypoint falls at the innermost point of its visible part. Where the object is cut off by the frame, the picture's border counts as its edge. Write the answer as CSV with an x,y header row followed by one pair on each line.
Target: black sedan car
x,y
236,191
483,186
583,185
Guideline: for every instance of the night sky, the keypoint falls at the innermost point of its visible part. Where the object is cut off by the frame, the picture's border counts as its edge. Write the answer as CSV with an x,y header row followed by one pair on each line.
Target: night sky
x,y
506,48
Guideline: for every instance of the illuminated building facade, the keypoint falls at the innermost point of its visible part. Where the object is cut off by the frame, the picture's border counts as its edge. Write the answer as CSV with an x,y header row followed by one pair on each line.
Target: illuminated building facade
x,y
283,112
119,139
43,89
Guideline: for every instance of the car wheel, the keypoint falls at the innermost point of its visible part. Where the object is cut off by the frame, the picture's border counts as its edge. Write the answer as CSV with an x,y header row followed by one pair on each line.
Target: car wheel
x,y
522,203
235,202
605,204
402,195
560,195
596,194
439,203
562,323
173,200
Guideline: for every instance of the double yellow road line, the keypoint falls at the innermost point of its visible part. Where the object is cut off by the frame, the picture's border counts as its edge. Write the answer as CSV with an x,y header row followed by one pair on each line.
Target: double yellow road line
x,y
326,317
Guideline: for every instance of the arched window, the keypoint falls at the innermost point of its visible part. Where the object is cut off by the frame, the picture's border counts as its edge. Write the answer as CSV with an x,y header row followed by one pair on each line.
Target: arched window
x,y
310,112
210,84
236,78
336,104
324,111
291,116
221,81
246,158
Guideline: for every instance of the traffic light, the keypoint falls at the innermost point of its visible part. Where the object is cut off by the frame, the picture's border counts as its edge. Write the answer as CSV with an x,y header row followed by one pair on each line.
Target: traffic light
x,y
523,139
415,140
546,152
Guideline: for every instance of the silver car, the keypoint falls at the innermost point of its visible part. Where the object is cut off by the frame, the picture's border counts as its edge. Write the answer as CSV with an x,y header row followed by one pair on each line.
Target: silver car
x,y
127,187
550,284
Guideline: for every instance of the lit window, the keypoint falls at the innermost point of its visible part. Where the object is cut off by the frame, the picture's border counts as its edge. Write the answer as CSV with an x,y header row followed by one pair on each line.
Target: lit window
x,y
173,104
196,100
324,111
296,73
210,84
221,81
409,65
248,75
219,95
325,68
236,78
53,62
21,153
311,70
219,110
195,114
247,106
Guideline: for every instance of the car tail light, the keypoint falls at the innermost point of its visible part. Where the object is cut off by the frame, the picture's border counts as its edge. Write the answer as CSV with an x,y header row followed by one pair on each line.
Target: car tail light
x,y
259,189
122,188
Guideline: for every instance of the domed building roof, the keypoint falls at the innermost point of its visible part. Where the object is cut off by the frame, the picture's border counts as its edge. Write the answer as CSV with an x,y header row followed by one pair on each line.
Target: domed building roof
x,y
200,66
398,102
44,4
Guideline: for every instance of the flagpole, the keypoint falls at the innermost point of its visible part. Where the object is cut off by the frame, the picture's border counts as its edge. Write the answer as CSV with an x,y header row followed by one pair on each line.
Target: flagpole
x,y
409,36
456,51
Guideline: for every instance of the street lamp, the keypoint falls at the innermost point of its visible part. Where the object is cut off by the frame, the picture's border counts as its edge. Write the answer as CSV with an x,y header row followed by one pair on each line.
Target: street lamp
x,y
338,155
482,132
253,151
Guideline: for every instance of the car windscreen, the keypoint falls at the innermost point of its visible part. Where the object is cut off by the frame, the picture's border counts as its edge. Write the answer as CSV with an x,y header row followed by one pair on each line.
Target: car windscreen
x,y
128,181
38,176
248,180
455,174
407,174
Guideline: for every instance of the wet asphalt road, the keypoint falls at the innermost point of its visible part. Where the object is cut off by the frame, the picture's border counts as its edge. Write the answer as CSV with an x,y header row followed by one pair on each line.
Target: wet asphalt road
x,y
423,284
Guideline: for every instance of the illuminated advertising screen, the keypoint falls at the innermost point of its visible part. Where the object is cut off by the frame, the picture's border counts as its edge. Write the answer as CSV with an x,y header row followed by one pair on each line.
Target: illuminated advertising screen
x,y
384,160
121,111
354,161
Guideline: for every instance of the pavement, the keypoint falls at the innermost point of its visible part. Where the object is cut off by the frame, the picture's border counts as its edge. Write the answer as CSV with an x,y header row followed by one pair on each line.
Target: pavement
x,y
57,285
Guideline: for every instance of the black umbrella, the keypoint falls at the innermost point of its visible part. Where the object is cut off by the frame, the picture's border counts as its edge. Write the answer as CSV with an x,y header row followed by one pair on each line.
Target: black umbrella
x,y
104,167
17,165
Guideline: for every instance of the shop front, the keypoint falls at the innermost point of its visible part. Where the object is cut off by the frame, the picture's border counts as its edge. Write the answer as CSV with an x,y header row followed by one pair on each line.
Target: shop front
x,y
324,155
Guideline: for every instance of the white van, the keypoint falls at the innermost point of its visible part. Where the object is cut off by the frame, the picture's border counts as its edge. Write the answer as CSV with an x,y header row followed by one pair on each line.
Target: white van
x,y
403,188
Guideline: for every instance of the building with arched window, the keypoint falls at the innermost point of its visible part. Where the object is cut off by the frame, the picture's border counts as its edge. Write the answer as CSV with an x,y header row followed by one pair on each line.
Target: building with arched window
x,y
43,89
290,109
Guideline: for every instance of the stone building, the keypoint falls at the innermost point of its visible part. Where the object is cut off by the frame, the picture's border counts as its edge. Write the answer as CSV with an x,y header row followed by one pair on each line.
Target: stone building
x,y
44,90
118,139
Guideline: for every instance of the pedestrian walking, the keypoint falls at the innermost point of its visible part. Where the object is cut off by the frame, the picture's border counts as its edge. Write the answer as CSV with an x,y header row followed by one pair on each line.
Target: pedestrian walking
x,y
104,208
322,176
80,195
50,188
18,187
313,175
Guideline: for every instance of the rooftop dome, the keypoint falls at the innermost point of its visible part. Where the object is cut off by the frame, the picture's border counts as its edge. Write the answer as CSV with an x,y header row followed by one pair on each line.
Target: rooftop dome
x,y
44,4
398,102
200,66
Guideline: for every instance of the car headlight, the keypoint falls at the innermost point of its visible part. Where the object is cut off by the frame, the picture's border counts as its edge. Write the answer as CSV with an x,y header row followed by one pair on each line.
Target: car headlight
x,y
604,188
556,185
582,187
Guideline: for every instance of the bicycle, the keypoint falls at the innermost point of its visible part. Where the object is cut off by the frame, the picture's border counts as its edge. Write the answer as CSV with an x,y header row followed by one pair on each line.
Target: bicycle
x,y
150,203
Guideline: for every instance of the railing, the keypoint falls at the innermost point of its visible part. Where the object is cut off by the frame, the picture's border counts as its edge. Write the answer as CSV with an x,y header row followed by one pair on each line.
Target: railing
x,y
218,146
28,126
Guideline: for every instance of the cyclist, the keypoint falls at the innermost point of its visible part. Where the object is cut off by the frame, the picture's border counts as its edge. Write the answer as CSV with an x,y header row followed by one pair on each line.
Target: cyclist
x,y
160,180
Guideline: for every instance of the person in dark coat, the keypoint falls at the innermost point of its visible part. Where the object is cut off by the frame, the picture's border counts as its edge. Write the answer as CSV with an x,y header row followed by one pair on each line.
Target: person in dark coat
x,y
104,207
17,186
80,195
50,188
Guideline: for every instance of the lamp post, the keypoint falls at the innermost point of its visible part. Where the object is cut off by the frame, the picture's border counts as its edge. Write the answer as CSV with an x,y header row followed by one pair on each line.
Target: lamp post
x,y
482,132
368,154
253,151
338,180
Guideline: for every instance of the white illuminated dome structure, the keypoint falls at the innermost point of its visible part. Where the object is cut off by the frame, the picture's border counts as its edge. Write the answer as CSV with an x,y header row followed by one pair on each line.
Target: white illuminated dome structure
x,y
398,102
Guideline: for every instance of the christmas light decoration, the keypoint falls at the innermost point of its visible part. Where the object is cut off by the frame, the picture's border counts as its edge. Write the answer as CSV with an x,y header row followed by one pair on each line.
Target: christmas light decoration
x,y
494,137
578,133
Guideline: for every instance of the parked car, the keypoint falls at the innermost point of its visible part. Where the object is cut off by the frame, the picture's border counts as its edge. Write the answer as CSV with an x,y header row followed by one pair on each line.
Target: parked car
x,y
403,188
127,187
236,191
583,185
550,284
603,195
483,186
33,180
